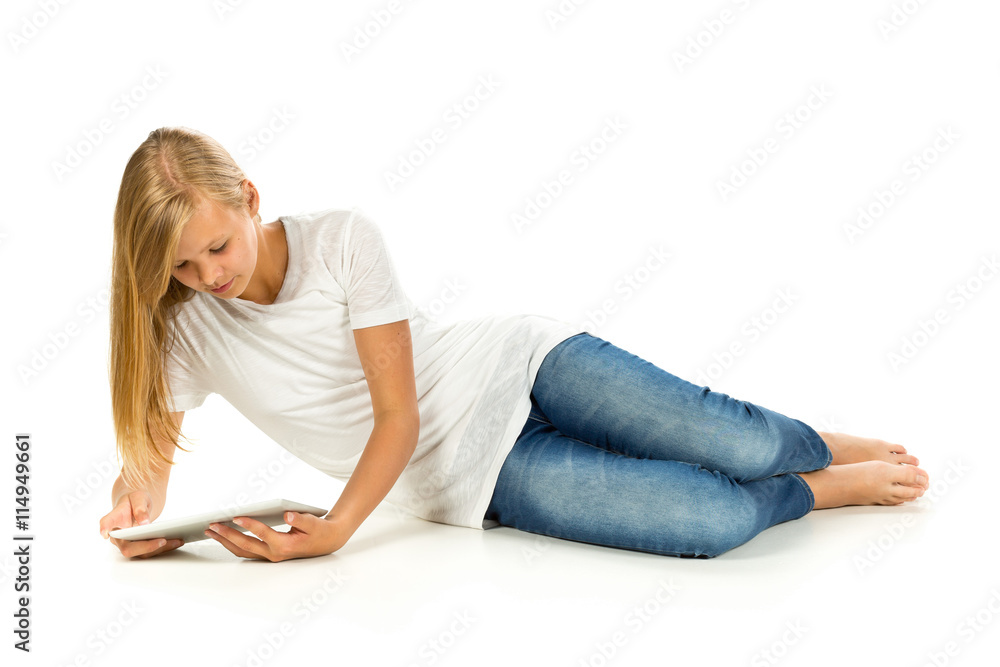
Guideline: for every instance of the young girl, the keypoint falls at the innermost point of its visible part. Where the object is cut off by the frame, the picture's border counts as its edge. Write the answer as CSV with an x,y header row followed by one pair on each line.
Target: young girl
x,y
525,421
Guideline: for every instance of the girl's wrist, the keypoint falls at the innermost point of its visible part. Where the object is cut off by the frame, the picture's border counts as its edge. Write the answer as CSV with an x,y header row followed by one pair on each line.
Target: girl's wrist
x,y
340,531
340,523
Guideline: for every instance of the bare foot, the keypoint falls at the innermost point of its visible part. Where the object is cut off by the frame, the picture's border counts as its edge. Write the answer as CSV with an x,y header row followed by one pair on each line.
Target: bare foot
x,y
866,483
855,449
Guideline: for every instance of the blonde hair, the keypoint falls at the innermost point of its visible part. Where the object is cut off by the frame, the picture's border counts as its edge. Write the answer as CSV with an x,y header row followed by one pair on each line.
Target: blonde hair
x,y
169,176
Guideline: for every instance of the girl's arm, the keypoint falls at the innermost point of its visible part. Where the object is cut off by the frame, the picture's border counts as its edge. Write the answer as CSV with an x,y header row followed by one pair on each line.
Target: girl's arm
x,y
133,507
159,478
386,354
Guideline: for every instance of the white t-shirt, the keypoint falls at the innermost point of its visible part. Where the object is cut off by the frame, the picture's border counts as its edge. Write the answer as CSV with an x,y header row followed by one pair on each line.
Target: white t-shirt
x,y
292,367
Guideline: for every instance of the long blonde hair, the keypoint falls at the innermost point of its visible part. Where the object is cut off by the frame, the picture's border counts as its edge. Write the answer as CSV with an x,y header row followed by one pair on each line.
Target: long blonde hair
x,y
166,180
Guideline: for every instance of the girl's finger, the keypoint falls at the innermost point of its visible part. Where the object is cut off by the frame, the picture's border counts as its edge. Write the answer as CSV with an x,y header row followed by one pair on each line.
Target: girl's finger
x,y
243,549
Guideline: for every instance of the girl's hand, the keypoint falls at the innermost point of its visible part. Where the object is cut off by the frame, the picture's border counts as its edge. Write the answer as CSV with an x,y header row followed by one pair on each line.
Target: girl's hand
x,y
133,510
308,536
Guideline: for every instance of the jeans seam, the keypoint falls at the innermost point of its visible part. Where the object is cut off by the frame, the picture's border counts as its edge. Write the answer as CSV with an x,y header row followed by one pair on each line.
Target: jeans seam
x,y
829,452
625,545
582,442
808,490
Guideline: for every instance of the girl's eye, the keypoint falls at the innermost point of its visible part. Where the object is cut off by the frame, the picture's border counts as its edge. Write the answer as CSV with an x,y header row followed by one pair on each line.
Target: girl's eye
x,y
213,251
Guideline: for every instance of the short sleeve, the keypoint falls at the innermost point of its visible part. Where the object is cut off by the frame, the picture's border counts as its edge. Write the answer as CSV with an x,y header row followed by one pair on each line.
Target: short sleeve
x,y
183,380
374,292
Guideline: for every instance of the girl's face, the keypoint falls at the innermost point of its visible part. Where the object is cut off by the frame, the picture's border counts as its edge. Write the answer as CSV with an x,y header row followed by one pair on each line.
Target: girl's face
x,y
218,247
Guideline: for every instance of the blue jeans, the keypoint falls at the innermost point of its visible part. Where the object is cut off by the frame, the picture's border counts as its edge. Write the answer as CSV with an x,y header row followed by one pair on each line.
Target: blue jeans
x,y
621,453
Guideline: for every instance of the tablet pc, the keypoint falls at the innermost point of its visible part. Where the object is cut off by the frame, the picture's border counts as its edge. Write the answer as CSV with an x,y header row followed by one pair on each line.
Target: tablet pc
x,y
192,528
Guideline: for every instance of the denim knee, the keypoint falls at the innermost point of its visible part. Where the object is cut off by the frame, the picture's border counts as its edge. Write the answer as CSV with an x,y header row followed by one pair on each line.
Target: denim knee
x,y
782,445
722,523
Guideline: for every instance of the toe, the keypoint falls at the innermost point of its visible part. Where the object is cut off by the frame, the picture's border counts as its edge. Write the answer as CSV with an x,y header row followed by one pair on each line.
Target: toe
x,y
896,449
905,493
910,476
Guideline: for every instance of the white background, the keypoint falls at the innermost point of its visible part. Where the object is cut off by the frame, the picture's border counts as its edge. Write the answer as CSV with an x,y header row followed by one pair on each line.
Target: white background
x,y
882,585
